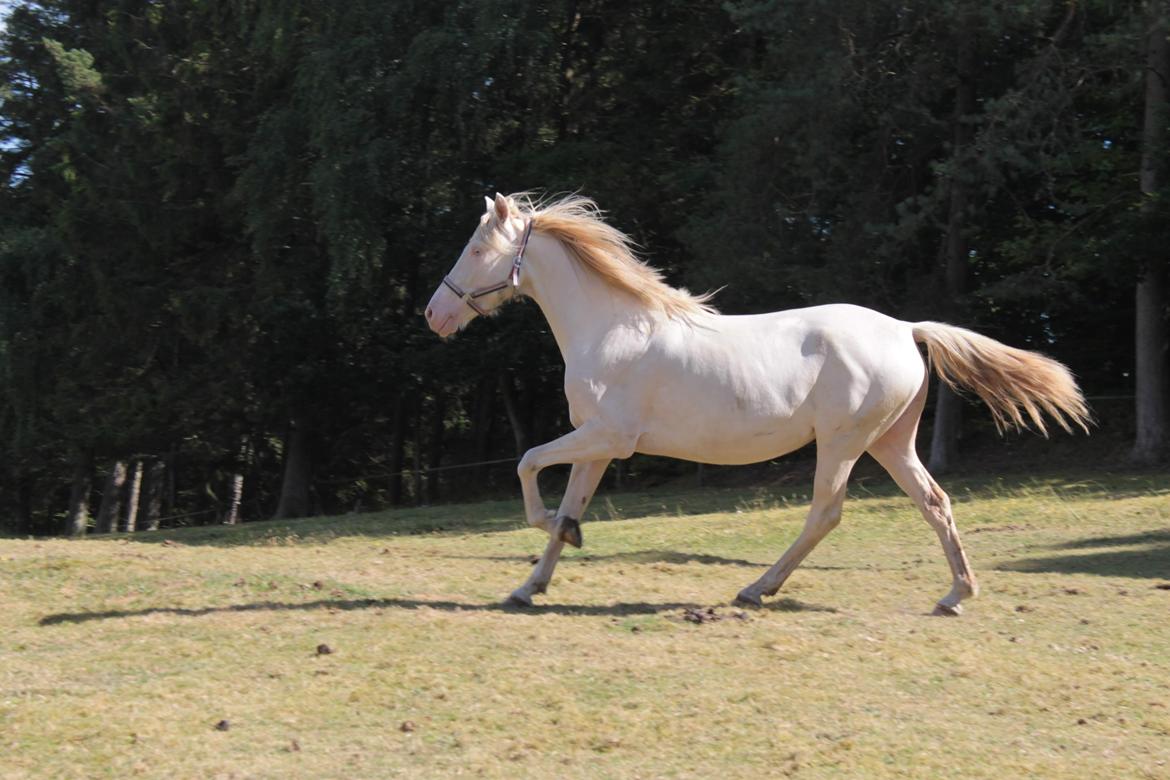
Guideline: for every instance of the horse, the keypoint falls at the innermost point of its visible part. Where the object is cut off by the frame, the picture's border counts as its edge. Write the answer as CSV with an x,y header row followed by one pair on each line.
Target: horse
x,y
654,369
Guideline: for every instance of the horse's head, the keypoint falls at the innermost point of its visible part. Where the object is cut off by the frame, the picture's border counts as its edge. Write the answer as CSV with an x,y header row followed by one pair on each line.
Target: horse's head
x,y
487,272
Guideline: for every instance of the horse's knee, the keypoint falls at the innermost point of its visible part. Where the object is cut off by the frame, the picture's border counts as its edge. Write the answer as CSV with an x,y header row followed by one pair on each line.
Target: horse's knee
x,y
527,465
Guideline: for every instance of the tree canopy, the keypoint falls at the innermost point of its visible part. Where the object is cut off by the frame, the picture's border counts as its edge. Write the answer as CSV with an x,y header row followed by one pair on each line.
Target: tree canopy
x,y
219,219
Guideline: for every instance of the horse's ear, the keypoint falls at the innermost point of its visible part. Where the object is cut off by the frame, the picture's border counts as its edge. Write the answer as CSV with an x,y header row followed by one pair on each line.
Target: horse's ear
x,y
503,208
487,203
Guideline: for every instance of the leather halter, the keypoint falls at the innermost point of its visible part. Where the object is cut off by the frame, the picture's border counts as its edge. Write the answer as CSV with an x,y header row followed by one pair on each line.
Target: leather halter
x,y
513,280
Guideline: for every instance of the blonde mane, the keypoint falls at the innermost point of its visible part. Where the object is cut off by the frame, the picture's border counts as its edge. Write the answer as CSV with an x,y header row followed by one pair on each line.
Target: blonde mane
x,y
576,222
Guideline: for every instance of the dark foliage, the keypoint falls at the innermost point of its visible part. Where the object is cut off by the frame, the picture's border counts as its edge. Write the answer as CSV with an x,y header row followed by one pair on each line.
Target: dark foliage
x,y
219,219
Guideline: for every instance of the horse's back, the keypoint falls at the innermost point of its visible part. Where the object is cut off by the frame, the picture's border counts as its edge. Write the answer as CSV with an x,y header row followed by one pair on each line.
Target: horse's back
x,y
855,337
750,387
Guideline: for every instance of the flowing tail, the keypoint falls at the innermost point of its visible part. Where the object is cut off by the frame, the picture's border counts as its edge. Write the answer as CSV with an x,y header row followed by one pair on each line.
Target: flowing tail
x,y
1012,382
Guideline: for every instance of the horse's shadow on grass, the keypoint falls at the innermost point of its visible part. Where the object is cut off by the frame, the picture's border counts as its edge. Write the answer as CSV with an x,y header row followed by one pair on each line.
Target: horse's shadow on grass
x,y
588,610
632,556
1148,557
673,557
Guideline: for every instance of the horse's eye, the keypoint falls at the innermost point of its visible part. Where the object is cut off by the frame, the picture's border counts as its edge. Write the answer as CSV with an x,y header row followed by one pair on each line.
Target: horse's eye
x,y
477,252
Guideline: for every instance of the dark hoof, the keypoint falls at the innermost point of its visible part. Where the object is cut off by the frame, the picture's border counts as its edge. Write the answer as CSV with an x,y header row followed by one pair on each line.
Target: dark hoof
x,y
518,599
942,610
745,599
570,532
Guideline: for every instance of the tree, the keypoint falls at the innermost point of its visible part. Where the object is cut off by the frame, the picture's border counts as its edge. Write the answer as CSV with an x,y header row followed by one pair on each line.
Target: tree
x,y
111,506
956,247
860,167
77,521
1150,332
218,220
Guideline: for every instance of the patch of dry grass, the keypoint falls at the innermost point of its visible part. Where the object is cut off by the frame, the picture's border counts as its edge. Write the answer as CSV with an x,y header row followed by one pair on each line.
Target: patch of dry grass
x,y
119,657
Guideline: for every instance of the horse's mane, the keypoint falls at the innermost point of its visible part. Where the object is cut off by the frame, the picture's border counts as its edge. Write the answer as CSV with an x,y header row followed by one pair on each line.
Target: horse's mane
x,y
577,223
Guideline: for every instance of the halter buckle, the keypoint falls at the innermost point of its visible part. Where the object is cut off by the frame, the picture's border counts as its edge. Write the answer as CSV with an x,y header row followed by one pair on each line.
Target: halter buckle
x,y
514,277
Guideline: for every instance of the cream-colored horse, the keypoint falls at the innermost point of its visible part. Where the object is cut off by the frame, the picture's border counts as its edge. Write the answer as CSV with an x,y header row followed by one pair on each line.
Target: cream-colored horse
x,y
653,369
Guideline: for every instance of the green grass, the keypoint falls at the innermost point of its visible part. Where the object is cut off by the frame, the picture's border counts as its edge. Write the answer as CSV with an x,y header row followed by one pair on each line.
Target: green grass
x,y
119,656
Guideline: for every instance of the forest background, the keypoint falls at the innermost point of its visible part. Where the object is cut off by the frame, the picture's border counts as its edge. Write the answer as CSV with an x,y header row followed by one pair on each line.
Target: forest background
x,y
219,220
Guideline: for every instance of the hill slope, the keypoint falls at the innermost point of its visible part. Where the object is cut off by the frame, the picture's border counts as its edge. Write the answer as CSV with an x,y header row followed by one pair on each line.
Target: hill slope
x,y
376,645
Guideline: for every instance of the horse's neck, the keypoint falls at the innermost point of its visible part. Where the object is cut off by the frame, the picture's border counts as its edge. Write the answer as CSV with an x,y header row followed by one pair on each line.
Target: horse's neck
x,y
579,306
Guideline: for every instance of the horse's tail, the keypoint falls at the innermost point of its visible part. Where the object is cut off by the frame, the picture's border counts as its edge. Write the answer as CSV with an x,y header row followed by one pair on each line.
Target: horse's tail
x,y
1010,381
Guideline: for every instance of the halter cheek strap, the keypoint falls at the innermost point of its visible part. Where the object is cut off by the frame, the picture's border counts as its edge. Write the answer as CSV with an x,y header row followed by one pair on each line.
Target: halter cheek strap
x,y
513,281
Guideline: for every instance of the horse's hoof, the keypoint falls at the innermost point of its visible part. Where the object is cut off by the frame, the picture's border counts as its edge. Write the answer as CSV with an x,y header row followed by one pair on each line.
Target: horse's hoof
x,y
518,599
746,599
943,610
570,532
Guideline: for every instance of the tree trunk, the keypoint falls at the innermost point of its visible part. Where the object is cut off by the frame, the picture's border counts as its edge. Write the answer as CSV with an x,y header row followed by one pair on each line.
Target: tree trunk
x,y
298,472
24,504
528,399
508,394
111,506
944,443
233,515
171,488
417,473
1150,331
435,447
944,438
245,460
77,521
397,445
482,426
620,469
154,483
133,494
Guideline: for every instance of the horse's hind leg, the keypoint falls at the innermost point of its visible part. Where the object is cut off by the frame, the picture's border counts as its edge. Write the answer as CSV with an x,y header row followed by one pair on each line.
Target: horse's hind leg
x,y
833,467
895,451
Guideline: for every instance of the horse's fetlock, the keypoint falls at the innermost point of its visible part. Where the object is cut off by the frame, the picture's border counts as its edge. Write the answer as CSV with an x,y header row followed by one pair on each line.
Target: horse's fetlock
x,y
569,531
969,587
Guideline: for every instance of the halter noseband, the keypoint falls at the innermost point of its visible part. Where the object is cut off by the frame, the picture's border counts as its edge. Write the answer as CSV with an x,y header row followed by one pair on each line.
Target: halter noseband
x,y
513,280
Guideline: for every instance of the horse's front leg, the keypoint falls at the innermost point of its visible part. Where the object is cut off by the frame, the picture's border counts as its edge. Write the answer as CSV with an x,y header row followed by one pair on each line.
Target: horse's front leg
x,y
589,449
592,441
583,481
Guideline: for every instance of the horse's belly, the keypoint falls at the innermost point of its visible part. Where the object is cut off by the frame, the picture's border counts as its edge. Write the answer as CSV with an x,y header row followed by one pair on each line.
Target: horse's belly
x,y
727,443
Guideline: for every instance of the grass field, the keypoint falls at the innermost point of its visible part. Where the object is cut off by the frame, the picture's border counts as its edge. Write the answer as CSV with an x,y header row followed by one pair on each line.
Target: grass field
x,y
202,653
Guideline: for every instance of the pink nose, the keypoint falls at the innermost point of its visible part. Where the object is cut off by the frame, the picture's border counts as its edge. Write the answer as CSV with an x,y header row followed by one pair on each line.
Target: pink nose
x,y
432,321
440,311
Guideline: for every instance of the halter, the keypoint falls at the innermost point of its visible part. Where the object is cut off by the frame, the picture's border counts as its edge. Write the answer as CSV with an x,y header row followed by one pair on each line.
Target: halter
x,y
512,281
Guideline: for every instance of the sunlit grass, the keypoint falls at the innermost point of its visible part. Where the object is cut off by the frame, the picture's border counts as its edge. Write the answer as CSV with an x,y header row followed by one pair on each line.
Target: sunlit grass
x,y
118,657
